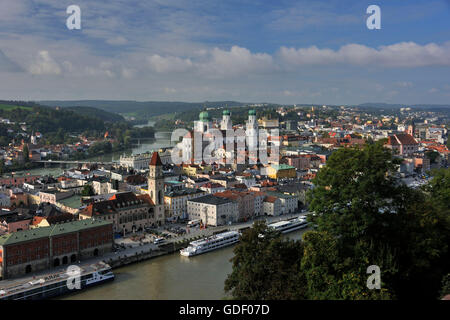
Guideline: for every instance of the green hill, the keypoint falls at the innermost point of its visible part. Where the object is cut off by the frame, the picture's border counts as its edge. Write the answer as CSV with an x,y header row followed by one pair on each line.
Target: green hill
x,y
97,113
143,110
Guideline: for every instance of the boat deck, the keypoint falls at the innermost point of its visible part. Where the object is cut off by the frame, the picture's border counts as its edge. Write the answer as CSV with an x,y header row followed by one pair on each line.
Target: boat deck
x,y
50,276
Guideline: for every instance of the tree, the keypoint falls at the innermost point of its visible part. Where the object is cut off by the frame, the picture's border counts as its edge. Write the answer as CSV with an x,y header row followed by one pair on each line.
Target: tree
x,y
439,188
445,286
265,267
363,215
26,153
432,155
87,190
377,220
330,277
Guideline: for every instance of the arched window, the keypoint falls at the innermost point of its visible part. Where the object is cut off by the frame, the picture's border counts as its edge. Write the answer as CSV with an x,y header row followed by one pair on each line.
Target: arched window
x,y
160,197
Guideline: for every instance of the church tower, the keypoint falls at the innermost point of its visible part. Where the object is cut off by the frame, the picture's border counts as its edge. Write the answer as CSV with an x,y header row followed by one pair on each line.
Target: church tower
x,y
226,121
252,129
156,186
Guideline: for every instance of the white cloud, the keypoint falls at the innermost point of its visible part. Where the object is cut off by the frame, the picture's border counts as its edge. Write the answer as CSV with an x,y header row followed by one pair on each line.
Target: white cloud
x,y
214,63
403,54
45,64
168,64
433,90
237,61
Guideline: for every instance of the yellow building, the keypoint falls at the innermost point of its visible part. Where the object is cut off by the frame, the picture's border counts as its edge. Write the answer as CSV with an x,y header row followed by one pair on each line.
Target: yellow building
x,y
193,169
281,171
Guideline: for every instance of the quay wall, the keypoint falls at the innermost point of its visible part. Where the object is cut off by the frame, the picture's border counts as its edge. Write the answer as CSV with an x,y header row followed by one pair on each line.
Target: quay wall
x,y
123,259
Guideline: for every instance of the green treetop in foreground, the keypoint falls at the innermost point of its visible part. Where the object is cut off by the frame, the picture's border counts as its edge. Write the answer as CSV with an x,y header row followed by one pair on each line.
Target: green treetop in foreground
x,y
364,216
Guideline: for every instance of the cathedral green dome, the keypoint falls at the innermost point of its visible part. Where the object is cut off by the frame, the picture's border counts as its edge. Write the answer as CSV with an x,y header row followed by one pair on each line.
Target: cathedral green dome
x,y
226,112
203,116
252,112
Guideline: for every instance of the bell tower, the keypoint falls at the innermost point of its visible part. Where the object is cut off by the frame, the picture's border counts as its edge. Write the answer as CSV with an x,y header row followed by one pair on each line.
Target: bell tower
x,y
156,186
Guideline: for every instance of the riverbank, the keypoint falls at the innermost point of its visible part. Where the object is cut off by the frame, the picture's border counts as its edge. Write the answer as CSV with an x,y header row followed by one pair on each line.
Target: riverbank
x,y
171,277
138,251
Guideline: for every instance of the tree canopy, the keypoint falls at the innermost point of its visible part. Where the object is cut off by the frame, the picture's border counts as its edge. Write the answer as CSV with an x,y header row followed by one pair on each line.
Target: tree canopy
x,y
363,215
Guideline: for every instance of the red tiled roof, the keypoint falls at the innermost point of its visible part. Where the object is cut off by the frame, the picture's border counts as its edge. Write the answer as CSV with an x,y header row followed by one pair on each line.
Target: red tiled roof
x,y
156,160
405,138
270,199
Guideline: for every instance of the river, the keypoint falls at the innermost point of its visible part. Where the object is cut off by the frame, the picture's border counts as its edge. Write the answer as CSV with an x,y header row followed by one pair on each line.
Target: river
x,y
170,277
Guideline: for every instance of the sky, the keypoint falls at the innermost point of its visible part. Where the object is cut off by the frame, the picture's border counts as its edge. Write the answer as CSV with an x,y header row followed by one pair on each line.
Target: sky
x,y
280,51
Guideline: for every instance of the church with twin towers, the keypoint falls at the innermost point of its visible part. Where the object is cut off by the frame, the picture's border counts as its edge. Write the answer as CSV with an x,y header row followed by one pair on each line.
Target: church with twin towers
x,y
244,137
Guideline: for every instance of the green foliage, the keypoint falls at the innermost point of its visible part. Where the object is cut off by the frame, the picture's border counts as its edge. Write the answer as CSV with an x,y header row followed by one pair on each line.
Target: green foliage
x,y
26,153
445,290
265,267
87,190
97,113
432,155
379,221
439,188
363,216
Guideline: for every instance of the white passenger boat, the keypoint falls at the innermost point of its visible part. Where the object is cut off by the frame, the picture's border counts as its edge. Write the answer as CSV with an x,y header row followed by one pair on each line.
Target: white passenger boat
x,y
289,225
210,243
54,284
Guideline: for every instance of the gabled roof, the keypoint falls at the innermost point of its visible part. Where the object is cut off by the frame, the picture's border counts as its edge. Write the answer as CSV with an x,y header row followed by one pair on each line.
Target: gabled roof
x,y
405,138
156,160
401,139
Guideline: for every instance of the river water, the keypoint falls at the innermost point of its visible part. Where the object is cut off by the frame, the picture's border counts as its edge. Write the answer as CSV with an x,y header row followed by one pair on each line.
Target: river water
x,y
170,277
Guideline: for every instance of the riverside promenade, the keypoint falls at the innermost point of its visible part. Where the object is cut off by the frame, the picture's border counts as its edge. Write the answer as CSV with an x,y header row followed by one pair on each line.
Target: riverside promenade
x,y
136,251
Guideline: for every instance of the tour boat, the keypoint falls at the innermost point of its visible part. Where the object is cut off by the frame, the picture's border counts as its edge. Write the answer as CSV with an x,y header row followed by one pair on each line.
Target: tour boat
x,y
214,242
54,284
289,225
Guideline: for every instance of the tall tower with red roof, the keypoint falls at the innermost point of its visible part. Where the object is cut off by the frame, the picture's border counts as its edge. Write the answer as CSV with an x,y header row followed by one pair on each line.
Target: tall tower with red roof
x,y
156,186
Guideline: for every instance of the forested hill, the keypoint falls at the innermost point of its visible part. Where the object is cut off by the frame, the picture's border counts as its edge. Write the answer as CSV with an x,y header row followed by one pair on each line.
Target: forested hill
x,y
97,113
49,119
142,109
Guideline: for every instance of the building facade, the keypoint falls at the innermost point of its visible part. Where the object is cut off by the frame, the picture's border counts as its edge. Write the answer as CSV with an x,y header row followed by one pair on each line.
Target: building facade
x,y
213,211
42,248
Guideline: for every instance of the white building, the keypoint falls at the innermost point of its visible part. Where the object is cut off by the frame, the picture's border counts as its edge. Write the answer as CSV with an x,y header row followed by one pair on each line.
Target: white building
x,y
175,202
289,203
137,161
272,206
213,211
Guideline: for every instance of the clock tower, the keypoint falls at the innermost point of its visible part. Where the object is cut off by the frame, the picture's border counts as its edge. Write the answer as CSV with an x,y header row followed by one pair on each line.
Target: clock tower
x,y
156,187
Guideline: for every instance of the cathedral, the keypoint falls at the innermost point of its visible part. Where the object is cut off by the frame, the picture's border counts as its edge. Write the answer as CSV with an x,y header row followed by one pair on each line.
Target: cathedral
x,y
248,139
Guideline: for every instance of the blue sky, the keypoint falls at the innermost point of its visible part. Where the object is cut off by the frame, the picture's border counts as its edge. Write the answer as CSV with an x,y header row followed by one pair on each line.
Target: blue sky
x,y
248,50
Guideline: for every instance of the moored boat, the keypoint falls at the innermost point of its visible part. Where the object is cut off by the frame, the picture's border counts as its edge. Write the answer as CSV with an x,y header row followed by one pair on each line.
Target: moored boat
x,y
211,243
